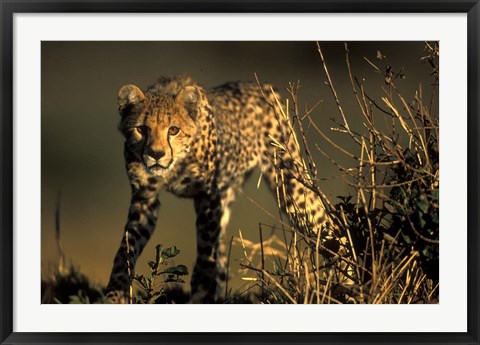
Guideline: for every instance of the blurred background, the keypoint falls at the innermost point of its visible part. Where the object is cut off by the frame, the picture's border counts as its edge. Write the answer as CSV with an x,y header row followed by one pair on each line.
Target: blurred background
x,y
82,151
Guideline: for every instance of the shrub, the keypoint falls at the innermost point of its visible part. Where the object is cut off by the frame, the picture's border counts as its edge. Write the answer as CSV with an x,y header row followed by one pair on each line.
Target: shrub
x,y
385,248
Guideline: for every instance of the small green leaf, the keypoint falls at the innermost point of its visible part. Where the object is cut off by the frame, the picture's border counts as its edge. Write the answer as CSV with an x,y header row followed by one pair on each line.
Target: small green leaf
x,y
170,252
180,270
159,254
172,278
146,281
406,238
427,252
423,204
155,296
422,222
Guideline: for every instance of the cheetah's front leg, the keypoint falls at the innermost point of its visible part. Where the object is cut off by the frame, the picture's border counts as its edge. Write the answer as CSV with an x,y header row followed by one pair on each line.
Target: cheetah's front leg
x,y
142,217
209,273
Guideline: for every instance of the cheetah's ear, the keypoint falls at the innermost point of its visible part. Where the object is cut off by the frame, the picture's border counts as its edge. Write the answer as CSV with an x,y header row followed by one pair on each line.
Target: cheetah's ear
x,y
128,97
188,97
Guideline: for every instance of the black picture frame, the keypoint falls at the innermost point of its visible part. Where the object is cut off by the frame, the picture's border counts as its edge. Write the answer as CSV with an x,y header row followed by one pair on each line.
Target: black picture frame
x,y
10,7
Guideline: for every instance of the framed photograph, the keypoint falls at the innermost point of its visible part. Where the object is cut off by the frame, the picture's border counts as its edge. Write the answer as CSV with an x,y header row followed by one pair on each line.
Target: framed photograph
x,y
239,172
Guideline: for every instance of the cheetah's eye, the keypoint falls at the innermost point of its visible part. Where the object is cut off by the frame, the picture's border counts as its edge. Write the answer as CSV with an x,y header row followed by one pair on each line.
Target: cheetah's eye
x,y
173,130
142,130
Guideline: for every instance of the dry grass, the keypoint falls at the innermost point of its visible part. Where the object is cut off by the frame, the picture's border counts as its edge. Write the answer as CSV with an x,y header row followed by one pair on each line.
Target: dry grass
x,y
386,247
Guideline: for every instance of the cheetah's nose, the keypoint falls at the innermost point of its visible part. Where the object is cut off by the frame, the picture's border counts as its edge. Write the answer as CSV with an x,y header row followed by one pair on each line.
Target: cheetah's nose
x,y
156,154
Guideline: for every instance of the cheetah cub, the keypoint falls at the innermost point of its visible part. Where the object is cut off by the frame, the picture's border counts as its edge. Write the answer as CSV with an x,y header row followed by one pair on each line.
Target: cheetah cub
x,y
200,144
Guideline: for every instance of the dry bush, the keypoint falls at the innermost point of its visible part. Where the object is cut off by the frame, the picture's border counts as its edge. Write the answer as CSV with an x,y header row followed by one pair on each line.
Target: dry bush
x,y
384,247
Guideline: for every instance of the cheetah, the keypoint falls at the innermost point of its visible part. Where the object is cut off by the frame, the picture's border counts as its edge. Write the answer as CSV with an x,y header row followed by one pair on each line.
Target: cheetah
x,y
201,144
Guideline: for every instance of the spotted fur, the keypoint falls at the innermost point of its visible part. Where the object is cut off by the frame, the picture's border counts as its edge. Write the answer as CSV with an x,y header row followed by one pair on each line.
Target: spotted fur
x,y
200,144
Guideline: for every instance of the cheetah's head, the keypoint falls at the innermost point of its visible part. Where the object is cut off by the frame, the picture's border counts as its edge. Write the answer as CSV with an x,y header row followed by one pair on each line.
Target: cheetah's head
x,y
159,128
